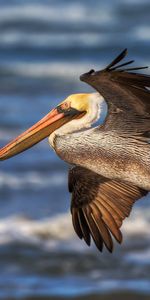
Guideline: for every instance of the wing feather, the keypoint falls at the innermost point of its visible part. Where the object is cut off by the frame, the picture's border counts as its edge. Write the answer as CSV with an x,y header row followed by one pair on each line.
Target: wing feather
x,y
117,59
127,95
84,227
99,206
102,228
76,224
108,220
93,228
111,210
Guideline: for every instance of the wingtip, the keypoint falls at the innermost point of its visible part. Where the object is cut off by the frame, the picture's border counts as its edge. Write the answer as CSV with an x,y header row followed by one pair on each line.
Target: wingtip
x,y
110,250
117,59
123,54
125,51
120,239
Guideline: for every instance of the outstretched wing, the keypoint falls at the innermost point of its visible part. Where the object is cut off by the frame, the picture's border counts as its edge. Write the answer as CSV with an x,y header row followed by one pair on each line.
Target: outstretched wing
x,y
99,206
127,95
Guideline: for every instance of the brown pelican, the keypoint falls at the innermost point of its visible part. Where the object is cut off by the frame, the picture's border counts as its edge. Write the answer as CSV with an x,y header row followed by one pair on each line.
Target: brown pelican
x,y
111,162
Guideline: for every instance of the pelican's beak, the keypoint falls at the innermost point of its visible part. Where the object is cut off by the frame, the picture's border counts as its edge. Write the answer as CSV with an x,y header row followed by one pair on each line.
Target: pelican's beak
x,y
42,129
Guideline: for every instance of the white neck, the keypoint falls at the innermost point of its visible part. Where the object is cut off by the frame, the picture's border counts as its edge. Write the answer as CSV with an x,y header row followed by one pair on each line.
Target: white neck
x,y
97,112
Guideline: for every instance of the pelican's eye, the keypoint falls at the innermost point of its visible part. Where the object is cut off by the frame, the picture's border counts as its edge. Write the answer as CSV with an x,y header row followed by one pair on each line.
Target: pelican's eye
x,y
64,107
67,110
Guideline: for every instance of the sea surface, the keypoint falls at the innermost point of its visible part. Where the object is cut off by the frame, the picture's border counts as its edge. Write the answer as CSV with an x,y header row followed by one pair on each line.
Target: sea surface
x,y
44,47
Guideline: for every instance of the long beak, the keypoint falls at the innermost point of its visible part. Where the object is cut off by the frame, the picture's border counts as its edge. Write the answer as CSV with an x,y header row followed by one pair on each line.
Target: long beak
x,y
35,134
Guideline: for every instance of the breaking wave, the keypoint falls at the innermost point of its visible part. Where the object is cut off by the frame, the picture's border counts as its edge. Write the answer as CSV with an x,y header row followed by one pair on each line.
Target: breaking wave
x,y
31,179
50,232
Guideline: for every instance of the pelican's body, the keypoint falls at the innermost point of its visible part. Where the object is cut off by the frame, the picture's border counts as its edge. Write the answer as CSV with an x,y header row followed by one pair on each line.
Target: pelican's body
x,y
111,161
108,155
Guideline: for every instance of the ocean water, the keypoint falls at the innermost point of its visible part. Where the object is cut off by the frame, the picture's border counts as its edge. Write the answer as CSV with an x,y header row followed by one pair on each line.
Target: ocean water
x,y
44,47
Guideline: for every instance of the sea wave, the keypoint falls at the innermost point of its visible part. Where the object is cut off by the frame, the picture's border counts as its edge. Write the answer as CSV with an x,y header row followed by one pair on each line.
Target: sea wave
x,y
45,69
143,33
140,256
19,180
70,13
45,233
52,40
51,231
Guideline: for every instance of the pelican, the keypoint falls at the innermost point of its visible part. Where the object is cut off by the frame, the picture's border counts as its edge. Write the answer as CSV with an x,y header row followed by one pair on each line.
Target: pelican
x,y
110,163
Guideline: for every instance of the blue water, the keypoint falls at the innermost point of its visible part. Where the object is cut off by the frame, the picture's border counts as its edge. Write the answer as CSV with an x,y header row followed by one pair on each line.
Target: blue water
x,y
44,47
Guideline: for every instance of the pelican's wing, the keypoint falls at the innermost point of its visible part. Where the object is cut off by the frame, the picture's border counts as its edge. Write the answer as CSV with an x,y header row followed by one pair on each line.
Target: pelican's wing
x,y
99,206
127,95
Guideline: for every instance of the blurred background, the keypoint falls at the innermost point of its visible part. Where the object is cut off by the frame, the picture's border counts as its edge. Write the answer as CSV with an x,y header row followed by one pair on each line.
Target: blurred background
x,y
44,46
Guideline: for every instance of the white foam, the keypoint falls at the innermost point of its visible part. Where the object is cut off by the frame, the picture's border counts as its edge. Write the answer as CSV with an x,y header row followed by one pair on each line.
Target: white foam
x,y
142,32
63,70
138,223
48,233
31,179
15,37
72,12
140,256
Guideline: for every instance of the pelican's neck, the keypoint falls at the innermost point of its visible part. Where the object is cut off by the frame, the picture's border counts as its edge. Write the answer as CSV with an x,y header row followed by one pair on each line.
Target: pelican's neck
x,y
97,110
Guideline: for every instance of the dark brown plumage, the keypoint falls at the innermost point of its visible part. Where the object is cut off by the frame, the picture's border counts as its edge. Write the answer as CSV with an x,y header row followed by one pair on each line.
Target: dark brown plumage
x,y
99,205
127,96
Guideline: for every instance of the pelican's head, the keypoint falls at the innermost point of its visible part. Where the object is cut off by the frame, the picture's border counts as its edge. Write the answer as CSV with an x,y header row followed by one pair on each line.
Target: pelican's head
x,y
89,106
76,112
